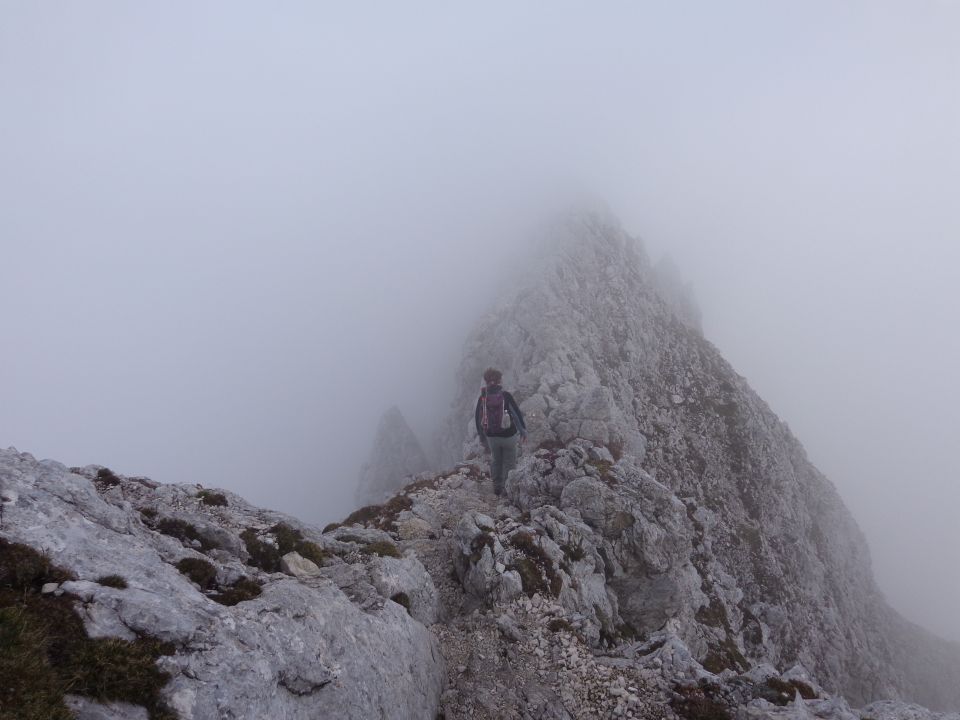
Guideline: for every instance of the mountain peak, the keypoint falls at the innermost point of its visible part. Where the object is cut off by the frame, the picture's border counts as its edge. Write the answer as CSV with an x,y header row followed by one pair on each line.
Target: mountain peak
x,y
396,455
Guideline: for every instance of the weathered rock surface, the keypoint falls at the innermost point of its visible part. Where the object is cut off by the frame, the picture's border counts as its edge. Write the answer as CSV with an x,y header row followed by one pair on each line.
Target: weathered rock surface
x,y
396,456
303,648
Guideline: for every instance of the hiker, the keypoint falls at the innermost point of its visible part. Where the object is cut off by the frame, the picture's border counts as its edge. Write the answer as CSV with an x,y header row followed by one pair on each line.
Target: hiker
x,y
498,420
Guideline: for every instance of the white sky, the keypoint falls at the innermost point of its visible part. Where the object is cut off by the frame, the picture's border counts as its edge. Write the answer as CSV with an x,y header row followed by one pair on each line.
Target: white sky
x,y
231,234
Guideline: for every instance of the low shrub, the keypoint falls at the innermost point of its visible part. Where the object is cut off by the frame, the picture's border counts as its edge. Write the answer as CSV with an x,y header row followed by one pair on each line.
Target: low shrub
x,y
481,541
288,538
262,554
199,571
574,553
243,589
208,497
783,691
530,576
114,581
313,552
107,477
696,703
382,548
184,532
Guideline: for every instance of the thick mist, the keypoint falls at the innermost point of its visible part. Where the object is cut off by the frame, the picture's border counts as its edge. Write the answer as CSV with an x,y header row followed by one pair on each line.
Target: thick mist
x,y
231,236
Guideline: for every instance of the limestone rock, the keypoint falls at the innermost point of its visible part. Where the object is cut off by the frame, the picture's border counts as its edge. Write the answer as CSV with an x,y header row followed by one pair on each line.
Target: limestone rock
x,y
293,563
303,648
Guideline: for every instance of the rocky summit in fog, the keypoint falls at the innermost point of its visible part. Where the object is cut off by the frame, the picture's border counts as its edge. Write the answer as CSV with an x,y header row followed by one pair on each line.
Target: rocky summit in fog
x,y
664,550
396,456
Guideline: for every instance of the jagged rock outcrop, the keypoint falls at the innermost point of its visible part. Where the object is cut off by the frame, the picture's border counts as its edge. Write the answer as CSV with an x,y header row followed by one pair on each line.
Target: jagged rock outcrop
x,y
760,560
249,640
396,456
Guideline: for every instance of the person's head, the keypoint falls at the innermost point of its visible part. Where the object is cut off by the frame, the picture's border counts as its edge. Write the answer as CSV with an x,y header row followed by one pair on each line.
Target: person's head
x,y
492,377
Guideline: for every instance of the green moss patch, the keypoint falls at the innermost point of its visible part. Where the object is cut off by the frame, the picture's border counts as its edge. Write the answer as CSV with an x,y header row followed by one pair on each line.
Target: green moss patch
x,y
45,651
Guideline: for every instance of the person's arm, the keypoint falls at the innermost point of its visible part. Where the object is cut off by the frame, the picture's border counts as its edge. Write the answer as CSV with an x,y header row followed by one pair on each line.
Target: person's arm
x,y
476,419
514,410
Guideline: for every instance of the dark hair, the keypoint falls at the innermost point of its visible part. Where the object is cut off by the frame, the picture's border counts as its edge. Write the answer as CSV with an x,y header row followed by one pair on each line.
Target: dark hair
x,y
491,376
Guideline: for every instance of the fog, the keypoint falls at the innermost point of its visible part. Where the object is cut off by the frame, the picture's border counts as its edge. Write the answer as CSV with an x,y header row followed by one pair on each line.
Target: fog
x,y
231,235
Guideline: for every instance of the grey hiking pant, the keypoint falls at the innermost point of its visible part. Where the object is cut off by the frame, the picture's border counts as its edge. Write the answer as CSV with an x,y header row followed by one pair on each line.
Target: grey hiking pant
x,y
503,458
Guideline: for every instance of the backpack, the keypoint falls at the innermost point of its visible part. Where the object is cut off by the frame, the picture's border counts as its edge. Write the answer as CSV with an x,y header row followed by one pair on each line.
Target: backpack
x,y
494,414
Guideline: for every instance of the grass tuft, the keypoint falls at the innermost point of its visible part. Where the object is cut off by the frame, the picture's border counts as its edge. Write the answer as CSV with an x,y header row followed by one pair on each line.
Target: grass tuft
x,y
537,572
381,548
45,651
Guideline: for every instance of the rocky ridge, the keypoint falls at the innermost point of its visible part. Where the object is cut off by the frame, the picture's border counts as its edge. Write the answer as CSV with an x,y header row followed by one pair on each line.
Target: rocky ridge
x,y
446,601
759,560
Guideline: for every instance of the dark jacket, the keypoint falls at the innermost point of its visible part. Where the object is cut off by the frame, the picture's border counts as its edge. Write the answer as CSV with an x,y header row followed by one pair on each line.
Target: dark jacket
x,y
510,405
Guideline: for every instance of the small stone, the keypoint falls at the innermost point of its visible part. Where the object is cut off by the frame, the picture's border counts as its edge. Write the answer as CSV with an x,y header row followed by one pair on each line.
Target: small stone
x,y
49,588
